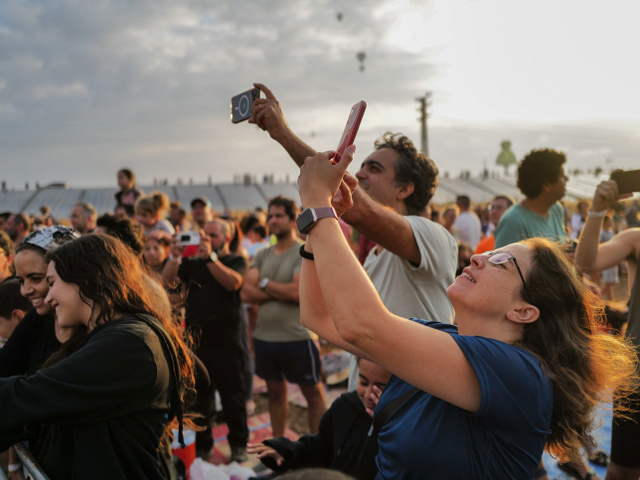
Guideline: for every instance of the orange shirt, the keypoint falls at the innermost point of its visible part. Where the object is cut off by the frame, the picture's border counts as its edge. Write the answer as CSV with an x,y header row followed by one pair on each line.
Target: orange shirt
x,y
486,244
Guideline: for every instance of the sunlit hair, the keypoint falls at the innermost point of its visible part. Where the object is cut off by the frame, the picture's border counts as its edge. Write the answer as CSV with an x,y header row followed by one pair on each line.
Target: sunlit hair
x,y
113,279
412,167
155,203
584,363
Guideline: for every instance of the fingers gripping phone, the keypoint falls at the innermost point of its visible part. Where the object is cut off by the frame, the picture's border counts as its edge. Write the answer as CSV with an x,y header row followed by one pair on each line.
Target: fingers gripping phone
x,y
241,105
351,129
628,182
187,238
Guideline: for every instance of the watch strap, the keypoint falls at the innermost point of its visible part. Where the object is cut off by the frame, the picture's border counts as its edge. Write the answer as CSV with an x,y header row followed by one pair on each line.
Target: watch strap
x,y
317,213
305,254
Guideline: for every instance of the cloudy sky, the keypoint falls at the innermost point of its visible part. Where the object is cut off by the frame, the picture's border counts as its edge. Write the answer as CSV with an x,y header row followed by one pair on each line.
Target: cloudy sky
x,y
89,87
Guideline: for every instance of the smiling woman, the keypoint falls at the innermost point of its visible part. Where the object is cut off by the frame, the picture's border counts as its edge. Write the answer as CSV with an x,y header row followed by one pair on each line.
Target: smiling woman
x,y
38,335
105,407
524,367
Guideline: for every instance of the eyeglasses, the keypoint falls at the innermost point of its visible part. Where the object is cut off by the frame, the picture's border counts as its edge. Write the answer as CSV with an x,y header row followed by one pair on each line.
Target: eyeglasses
x,y
502,257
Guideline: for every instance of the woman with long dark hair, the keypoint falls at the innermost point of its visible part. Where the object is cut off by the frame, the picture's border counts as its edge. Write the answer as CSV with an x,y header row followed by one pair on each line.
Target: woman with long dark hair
x,y
105,407
524,367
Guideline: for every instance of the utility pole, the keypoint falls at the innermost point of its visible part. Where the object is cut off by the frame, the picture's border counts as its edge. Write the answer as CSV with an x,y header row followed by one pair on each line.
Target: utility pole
x,y
422,109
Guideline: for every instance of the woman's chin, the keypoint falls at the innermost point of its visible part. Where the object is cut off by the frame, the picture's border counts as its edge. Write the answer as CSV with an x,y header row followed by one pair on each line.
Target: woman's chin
x,y
44,310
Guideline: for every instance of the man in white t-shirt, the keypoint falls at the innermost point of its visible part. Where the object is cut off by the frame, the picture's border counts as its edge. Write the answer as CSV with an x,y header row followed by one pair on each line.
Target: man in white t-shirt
x,y
468,224
414,261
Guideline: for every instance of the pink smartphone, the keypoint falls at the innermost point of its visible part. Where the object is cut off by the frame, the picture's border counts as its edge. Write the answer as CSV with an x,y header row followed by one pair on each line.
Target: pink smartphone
x,y
350,131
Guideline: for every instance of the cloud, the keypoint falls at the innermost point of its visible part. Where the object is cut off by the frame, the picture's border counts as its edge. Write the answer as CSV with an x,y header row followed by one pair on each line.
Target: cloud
x,y
106,83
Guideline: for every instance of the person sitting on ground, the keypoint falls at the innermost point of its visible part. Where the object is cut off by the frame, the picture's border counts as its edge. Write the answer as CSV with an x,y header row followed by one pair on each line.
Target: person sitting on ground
x,y
525,366
149,213
343,430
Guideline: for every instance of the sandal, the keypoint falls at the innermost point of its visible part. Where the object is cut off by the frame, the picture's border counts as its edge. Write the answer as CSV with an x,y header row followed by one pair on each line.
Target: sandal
x,y
599,458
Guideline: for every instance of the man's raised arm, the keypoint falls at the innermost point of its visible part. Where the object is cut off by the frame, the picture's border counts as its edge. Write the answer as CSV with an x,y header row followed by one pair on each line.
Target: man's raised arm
x,y
268,115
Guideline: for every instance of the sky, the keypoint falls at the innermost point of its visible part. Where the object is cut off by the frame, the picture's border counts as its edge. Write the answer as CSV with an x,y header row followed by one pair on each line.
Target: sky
x,y
87,88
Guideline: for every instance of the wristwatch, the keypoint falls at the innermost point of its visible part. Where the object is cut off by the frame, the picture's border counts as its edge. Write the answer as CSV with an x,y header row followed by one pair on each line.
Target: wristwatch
x,y
263,283
310,216
212,258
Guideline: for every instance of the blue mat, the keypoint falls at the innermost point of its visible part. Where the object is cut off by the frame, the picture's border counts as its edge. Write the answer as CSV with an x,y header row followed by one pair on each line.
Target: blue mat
x,y
603,437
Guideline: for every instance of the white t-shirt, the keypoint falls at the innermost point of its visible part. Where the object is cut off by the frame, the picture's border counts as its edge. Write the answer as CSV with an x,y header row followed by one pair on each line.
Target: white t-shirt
x,y
418,291
469,229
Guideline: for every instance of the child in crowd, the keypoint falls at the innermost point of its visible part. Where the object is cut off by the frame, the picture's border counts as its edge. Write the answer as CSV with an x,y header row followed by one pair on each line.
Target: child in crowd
x,y
156,254
149,211
128,195
343,430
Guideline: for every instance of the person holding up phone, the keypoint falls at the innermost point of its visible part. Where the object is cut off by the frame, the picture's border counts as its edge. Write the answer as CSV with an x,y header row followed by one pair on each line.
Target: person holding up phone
x,y
415,259
593,256
523,369
212,280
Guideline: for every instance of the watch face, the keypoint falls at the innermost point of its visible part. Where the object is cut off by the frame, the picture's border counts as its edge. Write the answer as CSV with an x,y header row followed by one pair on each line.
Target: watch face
x,y
306,220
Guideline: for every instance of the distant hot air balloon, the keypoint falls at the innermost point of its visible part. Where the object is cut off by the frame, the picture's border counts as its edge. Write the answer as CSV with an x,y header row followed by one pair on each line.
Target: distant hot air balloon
x,y
361,56
339,16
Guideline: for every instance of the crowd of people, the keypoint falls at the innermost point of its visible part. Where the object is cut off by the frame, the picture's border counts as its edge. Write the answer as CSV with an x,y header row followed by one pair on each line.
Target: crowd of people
x,y
477,334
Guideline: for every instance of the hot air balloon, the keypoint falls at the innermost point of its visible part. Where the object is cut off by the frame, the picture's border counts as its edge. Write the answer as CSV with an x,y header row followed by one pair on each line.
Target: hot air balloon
x,y
361,56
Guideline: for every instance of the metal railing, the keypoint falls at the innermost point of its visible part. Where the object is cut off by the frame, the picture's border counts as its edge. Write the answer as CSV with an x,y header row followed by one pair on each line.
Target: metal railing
x,y
35,471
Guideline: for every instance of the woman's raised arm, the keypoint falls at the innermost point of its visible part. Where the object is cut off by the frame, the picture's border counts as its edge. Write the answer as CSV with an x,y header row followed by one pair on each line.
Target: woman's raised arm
x,y
427,358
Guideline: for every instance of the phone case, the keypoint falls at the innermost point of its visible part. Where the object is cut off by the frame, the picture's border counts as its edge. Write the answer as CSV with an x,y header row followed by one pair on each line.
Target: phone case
x,y
351,129
242,103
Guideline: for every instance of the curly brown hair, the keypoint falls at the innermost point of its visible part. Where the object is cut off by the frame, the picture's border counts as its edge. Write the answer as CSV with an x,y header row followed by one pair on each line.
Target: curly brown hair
x,y
584,363
537,168
412,167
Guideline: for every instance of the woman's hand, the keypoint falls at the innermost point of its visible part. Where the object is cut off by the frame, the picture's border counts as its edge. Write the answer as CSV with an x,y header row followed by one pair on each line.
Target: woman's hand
x,y
320,180
264,451
342,201
375,398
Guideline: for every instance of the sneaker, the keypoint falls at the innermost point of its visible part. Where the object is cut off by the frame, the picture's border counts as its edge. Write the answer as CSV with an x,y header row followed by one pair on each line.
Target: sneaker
x,y
239,454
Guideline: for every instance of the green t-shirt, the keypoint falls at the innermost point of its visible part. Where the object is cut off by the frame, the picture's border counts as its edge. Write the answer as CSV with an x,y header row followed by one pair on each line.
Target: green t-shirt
x,y
279,321
519,223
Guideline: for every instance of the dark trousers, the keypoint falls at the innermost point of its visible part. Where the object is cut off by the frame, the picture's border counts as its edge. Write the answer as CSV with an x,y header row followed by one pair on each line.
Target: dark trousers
x,y
226,362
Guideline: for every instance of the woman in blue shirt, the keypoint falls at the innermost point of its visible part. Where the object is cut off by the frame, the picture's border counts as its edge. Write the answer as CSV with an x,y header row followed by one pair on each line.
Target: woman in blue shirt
x,y
524,366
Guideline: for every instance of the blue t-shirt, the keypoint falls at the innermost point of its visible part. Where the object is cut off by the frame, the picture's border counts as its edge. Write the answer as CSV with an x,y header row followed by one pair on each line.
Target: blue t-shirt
x,y
427,437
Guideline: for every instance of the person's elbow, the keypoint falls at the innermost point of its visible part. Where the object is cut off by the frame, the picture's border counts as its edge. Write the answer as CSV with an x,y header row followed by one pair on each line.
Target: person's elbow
x,y
234,285
293,296
245,296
